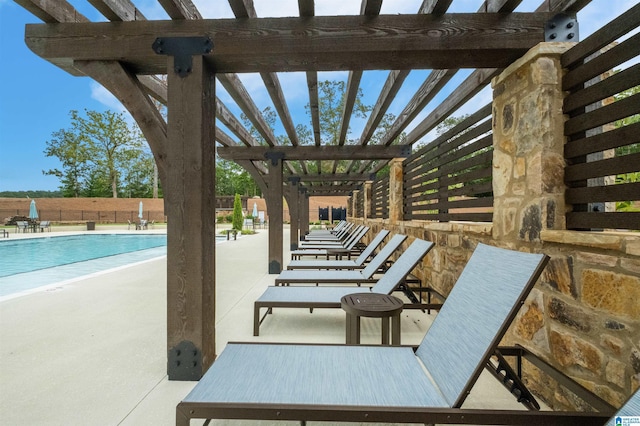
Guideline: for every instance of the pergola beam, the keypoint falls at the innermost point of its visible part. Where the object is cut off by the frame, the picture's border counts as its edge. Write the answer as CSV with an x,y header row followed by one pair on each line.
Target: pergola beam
x,y
337,177
467,40
319,153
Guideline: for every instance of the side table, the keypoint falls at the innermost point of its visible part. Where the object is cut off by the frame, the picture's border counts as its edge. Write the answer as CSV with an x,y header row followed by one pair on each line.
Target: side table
x,y
372,305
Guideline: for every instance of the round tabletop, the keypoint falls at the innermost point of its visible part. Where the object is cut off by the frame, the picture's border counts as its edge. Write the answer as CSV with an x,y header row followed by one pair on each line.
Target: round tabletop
x,y
373,305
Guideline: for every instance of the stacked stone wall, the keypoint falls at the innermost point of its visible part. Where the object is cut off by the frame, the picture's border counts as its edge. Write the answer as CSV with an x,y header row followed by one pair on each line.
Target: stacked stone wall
x,y
583,315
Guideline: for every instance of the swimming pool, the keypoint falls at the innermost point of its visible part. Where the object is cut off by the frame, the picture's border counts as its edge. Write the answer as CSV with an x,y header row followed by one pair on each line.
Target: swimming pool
x,y
35,263
32,254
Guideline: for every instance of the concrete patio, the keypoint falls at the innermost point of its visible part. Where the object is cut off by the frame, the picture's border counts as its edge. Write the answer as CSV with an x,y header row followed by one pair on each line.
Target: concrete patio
x,y
93,352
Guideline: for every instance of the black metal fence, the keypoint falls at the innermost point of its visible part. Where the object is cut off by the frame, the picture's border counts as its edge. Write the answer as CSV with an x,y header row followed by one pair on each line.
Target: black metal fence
x,y
99,216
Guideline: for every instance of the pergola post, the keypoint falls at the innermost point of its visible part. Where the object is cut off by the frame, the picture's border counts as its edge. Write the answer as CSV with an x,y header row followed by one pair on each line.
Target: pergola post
x,y
273,197
190,205
303,208
396,210
294,212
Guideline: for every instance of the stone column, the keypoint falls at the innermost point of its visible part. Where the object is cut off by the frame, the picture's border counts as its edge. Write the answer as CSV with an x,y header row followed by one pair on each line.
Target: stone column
x,y
354,203
528,141
367,199
396,210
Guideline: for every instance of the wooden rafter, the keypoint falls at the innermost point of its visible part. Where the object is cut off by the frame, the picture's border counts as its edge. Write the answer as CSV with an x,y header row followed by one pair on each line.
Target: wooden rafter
x,y
271,45
118,10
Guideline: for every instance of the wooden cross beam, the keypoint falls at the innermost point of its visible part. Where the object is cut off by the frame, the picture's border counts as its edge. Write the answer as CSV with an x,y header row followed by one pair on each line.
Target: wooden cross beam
x,y
326,177
333,152
319,43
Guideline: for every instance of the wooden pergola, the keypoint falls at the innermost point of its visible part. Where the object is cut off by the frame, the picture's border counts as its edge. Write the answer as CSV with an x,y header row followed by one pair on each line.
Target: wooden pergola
x,y
129,55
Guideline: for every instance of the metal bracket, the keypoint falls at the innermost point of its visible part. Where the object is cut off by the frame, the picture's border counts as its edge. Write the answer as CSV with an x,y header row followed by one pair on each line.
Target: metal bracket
x,y
294,180
274,267
274,156
185,362
405,150
562,27
512,381
182,49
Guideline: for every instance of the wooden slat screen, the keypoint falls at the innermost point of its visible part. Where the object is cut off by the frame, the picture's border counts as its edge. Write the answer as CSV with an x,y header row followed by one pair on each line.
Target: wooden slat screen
x,y
450,178
603,127
380,199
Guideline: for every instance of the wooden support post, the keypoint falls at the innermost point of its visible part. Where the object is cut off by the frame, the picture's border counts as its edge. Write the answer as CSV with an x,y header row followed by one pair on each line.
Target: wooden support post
x,y
294,212
274,206
190,204
303,208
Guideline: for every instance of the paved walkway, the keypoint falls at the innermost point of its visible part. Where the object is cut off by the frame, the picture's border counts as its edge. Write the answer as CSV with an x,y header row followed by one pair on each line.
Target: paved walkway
x,y
94,352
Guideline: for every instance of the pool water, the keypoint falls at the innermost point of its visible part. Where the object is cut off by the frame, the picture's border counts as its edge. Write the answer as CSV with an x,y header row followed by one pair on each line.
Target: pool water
x,y
33,254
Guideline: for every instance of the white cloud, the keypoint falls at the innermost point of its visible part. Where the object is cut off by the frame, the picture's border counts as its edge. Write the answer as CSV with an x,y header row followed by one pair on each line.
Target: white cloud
x,y
102,95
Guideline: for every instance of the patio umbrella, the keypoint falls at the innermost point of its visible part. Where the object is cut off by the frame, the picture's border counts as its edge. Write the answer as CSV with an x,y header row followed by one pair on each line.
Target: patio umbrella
x,y
255,210
140,210
33,212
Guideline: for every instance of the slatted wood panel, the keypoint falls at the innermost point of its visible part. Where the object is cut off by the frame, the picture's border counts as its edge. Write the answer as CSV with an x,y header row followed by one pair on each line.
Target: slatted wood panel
x,y
450,178
603,128
380,198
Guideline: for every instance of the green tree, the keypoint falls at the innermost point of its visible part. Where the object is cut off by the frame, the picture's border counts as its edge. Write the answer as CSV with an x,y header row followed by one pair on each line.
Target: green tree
x,y
101,156
237,213
73,153
633,148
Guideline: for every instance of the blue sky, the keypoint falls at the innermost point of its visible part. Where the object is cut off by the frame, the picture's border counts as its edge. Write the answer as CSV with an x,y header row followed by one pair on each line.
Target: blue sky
x,y
36,97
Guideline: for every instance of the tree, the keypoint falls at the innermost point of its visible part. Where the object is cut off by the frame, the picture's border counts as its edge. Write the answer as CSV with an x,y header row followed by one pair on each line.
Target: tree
x,y
101,156
73,153
237,213
627,149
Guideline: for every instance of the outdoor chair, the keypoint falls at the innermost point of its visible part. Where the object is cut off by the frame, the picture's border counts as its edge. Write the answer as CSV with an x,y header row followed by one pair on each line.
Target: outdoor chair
x,y
22,226
355,232
384,383
335,234
329,296
45,224
358,263
329,249
631,408
363,276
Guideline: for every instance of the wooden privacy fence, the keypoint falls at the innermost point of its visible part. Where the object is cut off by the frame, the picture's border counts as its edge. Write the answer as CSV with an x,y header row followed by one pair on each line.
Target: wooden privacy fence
x,y
603,129
380,198
450,177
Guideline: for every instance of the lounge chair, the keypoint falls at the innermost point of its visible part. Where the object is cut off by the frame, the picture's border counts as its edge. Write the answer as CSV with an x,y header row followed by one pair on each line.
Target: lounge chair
x,y
22,225
329,296
631,408
327,250
335,229
356,233
358,263
363,276
381,383
333,235
45,224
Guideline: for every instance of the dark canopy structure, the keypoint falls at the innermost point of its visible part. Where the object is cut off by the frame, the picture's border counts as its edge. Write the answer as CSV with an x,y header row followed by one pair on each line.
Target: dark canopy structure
x,y
180,61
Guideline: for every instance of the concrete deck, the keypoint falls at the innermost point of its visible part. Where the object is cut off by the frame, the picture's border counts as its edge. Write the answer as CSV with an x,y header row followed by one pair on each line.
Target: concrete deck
x,y
93,352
